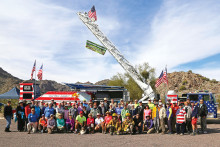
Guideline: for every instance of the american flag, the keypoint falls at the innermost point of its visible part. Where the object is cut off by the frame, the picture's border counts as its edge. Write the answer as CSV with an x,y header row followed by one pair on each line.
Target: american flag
x,y
33,69
40,73
165,79
92,14
160,79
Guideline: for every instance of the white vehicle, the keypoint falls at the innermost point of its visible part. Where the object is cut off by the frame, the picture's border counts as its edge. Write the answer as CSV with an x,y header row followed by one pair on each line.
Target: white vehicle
x,y
93,27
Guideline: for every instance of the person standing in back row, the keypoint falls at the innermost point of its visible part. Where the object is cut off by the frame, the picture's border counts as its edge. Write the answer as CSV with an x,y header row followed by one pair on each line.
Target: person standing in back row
x,y
20,113
8,115
203,111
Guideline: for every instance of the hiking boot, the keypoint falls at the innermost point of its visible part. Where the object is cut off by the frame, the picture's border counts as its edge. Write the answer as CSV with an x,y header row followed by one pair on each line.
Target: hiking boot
x,y
193,134
118,133
162,133
29,131
205,132
157,132
181,134
111,133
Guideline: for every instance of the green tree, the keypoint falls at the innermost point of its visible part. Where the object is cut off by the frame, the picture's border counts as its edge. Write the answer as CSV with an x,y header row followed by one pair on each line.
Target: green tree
x,y
148,74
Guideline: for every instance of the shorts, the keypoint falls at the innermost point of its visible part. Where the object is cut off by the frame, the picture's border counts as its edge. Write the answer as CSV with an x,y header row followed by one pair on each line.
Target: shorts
x,y
194,121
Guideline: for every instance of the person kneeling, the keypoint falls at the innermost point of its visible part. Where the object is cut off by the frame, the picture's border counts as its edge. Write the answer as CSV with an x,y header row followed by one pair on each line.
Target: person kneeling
x,y
80,123
90,124
32,121
51,124
42,124
114,125
60,123
148,125
128,124
70,124
98,122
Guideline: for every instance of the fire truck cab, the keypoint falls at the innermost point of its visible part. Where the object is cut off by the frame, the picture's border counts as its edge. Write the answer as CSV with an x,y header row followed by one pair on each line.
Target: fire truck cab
x,y
209,100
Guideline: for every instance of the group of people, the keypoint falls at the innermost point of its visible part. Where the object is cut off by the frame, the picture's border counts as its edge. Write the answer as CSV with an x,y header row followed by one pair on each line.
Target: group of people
x,y
114,118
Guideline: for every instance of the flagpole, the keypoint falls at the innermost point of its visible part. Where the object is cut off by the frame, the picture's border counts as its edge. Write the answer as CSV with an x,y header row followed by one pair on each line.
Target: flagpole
x,y
35,82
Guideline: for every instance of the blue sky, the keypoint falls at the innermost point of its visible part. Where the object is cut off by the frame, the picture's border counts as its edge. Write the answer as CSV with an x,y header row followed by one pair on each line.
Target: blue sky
x,y
184,35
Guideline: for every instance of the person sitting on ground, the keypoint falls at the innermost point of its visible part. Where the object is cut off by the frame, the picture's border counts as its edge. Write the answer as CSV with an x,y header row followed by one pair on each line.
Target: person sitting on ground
x,y
99,122
137,124
128,124
42,124
70,123
108,118
80,122
60,123
148,125
114,125
194,118
51,124
180,120
32,121
90,124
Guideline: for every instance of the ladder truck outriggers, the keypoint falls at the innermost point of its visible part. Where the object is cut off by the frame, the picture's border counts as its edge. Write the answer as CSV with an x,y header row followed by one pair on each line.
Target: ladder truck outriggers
x,y
93,27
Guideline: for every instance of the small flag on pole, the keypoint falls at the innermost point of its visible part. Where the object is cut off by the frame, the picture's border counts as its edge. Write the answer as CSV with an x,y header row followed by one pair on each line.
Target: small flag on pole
x,y
33,69
165,79
92,14
40,73
160,79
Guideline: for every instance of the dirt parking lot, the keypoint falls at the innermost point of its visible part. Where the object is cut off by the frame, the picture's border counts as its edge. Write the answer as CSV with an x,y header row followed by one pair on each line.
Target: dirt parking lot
x,y
17,139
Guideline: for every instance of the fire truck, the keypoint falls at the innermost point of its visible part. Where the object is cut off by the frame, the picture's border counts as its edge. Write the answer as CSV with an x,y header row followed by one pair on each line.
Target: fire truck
x,y
29,91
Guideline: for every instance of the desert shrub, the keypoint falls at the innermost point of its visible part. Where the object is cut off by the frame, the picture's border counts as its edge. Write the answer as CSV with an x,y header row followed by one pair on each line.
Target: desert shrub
x,y
182,88
184,82
205,79
214,81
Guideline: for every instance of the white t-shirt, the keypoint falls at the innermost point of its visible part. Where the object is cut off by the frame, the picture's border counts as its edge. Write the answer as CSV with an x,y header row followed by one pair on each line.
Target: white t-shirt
x,y
98,120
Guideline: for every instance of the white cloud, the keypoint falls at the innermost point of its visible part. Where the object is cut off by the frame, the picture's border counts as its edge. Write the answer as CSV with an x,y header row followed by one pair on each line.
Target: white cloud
x,y
54,36
180,33
210,73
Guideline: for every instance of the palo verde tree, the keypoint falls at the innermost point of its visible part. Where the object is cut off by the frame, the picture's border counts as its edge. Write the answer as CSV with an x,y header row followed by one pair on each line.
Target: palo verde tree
x,y
147,72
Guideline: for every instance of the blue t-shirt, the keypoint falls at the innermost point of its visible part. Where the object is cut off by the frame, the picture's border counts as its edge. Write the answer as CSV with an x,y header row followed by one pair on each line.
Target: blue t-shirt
x,y
37,111
118,110
48,111
32,117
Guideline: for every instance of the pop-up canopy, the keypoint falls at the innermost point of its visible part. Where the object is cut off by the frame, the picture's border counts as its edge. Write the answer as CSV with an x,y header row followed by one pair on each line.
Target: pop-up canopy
x,y
14,93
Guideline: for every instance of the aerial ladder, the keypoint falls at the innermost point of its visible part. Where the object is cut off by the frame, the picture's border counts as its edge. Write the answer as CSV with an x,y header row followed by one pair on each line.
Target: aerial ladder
x,y
93,27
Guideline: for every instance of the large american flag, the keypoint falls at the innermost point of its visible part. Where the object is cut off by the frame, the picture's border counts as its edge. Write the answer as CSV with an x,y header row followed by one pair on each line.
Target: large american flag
x,y
40,73
160,79
33,69
92,14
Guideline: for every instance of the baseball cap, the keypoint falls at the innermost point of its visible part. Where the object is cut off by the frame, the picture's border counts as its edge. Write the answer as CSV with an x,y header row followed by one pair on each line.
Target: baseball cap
x,y
80,112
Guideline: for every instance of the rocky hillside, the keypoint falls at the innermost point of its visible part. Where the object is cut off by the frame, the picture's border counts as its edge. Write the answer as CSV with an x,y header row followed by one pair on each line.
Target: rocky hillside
x,y
7,82
183,82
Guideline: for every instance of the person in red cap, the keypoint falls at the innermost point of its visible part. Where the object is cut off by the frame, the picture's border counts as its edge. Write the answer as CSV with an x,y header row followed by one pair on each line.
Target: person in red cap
x,y
80,122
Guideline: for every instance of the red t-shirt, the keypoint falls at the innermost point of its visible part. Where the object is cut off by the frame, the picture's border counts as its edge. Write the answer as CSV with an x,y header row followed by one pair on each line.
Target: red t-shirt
x,y
27,111
90,121
174,110
108,119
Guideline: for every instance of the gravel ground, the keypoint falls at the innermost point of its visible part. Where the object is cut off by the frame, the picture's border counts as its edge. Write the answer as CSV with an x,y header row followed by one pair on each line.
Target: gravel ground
x,y
68,139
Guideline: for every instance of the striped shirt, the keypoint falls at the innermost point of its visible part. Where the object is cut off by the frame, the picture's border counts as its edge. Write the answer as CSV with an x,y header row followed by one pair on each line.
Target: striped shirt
x,y
180,116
